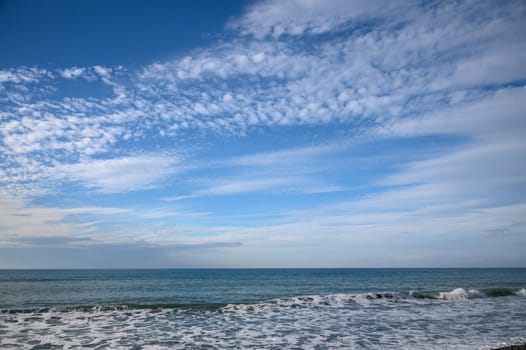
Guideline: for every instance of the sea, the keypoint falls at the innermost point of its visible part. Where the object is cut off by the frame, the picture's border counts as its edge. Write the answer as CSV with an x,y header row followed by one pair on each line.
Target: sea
x,y
263,308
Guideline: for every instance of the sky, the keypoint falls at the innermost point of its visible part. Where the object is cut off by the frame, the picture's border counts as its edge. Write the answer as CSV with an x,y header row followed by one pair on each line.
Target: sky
x,y
301,133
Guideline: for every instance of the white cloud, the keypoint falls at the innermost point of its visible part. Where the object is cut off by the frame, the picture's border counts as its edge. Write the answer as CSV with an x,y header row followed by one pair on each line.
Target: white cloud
x,y
72,73
293,170
20,219
298,17
258,183
488,162
121,174
406,65
497,115
22,75
402,68
287,157
244,186
103,72
498,66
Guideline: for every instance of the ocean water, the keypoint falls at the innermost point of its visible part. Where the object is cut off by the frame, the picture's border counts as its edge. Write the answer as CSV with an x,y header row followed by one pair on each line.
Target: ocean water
x,y
262,309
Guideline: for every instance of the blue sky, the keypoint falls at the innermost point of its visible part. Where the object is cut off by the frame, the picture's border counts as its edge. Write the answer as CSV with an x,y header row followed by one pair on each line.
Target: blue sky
x,y
262,134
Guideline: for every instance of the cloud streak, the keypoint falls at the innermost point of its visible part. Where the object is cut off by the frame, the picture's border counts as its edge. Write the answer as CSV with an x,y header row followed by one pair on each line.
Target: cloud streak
x,y
20,219
121,174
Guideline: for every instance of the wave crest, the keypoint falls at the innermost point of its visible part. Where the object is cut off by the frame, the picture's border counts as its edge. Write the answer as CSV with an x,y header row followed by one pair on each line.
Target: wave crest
x,y
304,301
368,299
460,294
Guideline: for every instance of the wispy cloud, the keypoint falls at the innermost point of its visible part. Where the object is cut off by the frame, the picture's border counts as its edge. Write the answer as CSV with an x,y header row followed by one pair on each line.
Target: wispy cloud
x,y
293,170
237,186
20,219
495,116
287,157
121,174
296,18
72,73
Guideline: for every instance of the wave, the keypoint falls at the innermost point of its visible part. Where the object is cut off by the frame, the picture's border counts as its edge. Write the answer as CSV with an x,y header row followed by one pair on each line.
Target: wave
x,y
120,307
305,301
367,299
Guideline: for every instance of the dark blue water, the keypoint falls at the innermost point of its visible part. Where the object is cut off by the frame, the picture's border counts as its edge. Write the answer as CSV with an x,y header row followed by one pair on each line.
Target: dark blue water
x,y
263,308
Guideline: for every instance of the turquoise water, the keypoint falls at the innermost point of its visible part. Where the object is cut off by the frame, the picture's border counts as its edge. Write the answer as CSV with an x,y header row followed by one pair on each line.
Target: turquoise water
x,y
263,308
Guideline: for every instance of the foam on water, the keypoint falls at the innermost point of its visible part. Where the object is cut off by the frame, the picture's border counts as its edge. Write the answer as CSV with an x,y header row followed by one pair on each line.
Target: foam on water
x,y
386,298
460,294
460,319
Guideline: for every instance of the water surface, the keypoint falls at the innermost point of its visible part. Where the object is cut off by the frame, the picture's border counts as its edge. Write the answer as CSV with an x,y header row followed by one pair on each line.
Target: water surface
x,y
263,308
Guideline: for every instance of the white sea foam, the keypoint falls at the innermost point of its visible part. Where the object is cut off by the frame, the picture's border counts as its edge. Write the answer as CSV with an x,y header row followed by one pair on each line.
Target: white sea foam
x,y
327,301
355,321
522,292
460,294
363,299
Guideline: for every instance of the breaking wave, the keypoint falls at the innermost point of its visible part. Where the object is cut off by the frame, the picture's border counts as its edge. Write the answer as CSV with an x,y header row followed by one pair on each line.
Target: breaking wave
x,y
304,301
367,299
402,320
